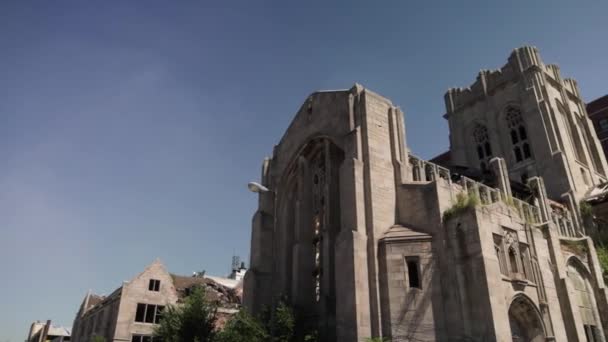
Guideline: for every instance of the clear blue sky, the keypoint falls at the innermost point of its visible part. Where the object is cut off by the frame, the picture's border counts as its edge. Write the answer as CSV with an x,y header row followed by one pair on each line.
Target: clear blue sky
x,y
128,130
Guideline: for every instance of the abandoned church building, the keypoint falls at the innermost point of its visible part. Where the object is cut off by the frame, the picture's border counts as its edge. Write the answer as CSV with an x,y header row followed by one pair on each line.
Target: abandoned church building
x,y
486,242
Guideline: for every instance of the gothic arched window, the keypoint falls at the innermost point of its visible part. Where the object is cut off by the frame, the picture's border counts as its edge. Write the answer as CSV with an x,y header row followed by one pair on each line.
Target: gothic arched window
x,y
484,150
319,211
518,134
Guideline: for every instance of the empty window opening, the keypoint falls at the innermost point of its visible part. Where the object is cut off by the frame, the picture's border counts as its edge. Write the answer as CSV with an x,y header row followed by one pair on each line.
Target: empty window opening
x,y
154,285
484,149
148,313
413,275
513,260
519,136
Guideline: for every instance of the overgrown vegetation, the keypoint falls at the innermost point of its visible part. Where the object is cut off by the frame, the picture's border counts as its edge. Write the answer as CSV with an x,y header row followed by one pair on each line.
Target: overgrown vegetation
x,y
192,321
586,209
243,327
463,202
602,255
577,247
195,321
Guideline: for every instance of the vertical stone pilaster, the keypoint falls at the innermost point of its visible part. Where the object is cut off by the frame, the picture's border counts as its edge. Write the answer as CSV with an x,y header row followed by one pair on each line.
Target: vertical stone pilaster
x,y
499,167
540,192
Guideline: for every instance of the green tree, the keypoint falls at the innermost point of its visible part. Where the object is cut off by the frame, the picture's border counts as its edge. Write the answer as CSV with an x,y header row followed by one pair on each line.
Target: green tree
x,y
243,327
194,320
282,323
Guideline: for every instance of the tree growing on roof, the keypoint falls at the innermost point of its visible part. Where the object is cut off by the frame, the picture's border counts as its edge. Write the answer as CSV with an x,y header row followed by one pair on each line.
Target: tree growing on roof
x,y
192,321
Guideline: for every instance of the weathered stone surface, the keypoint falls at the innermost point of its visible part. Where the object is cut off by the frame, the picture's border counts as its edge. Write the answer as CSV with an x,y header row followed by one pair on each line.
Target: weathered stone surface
x,y
368,240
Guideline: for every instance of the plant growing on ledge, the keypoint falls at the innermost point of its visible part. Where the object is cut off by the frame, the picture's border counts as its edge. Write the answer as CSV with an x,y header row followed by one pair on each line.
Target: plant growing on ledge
x,y
602,255
463,202
586,209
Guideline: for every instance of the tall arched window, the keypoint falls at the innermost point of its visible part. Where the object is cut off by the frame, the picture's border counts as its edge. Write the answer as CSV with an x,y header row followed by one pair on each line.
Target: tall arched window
x,y
484,150
319,210
518,134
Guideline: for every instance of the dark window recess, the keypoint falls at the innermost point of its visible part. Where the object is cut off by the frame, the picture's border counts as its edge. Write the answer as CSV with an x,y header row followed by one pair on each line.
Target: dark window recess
x,y
159,313
522,133
480,152
514,139
413,275
140,314
154,285
150,311
527,151
513,261
518,155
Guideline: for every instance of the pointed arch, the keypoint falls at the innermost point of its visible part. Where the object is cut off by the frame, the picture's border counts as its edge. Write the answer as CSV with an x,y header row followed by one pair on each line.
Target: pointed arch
x,y
583,297
525,320
481,141
518,134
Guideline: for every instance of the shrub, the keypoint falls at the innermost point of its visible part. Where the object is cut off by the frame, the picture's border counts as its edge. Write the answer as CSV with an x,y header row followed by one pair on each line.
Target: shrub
x,y
243,327
192,321
463,202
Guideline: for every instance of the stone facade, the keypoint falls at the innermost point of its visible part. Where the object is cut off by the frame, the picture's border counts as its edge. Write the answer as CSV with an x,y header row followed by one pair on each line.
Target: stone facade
x,y
598,113
367,240
132,311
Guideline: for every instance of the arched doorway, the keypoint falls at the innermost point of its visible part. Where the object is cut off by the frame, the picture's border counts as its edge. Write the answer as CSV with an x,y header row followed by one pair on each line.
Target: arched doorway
x,y
584,299
526,323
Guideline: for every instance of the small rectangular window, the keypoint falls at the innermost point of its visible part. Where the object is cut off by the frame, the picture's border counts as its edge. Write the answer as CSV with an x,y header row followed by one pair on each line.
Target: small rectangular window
x,y
140,313
154,285
413,271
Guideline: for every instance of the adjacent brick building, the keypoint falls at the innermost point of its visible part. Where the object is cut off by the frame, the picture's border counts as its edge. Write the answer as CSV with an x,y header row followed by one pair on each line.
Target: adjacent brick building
x,y
598,113
131,312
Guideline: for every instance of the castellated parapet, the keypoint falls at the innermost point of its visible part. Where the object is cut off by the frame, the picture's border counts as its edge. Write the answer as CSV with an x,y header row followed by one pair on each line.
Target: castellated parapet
x,y
366,240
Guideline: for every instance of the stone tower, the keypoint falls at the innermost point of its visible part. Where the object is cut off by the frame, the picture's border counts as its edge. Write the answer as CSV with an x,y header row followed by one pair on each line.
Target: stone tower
x,y
315,234
364,239
527,114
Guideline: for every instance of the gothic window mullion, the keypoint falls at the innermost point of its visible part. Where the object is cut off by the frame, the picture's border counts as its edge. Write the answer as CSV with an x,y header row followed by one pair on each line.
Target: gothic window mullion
x,y
519,137
484,150
319,219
